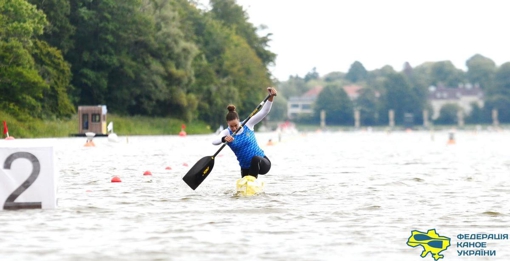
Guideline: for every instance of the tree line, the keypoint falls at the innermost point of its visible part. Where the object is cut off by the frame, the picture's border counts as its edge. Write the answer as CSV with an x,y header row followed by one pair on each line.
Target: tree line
x,y
164,58
404,92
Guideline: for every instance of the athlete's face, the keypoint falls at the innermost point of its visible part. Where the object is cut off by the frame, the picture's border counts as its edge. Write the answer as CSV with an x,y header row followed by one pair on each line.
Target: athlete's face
x,y
233,124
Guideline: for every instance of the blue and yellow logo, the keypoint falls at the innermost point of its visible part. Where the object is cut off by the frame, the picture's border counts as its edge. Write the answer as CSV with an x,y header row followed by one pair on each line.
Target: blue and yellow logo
x,y
431,242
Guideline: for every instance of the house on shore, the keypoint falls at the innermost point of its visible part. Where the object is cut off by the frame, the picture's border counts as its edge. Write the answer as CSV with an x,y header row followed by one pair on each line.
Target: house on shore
x,y
303,104
462,96
297,105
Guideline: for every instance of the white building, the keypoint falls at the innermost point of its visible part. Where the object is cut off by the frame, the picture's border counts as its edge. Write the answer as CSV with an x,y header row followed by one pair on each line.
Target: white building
x,y
304,104
463,96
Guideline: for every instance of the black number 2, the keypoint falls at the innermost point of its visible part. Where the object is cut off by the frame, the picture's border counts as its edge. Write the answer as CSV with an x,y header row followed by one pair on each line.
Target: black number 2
x,y
36,168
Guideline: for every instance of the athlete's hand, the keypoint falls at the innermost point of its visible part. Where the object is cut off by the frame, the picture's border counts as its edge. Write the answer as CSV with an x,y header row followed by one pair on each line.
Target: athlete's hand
x,y
229,138
272,91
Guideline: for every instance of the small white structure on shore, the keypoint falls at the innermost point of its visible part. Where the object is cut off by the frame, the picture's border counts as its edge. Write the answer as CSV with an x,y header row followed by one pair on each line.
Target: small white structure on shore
x,y
112,137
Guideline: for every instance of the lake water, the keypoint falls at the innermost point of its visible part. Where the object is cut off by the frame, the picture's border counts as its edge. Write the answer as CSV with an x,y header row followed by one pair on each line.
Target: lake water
x,y
328,196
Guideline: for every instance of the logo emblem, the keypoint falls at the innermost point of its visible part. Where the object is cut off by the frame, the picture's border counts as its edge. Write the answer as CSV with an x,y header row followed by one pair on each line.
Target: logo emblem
x,y
205,171
431,242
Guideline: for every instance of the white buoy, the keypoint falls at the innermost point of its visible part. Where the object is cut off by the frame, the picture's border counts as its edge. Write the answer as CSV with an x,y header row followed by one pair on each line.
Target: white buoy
x,y
90,136
112,137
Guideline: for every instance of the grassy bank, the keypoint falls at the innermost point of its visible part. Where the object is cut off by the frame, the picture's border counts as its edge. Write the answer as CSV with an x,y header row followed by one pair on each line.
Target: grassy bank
x,y
136,125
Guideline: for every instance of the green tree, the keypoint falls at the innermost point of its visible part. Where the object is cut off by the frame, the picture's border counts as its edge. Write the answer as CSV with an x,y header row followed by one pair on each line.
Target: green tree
x,y
477,115
212,85
499,97
21,21
20,83
279,109
57,74
334,100
367,103
399,95
233,16
448,114
133,57
246,72
421,74
167,72
445,74
294,86
59,31
376,78
481,70
420,91
230,66
356,73
334,76
312,75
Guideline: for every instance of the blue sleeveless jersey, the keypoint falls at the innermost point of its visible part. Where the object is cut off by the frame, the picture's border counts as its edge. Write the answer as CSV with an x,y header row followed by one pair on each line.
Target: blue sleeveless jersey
x,y
245,147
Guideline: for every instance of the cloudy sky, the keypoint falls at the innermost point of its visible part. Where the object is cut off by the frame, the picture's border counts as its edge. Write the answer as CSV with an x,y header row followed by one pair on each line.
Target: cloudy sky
x,y
331,34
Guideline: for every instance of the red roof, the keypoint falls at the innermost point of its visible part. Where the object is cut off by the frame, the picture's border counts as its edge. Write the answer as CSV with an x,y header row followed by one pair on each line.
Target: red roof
x,y
314,92
352,90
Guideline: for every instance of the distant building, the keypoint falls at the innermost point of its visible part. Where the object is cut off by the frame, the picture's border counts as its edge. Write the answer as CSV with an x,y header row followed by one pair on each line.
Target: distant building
x,y
297,105
303,104
92,119
463,96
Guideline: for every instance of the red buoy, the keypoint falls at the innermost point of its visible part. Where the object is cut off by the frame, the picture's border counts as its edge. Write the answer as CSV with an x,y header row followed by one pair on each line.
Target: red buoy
x,y
116,179
147,173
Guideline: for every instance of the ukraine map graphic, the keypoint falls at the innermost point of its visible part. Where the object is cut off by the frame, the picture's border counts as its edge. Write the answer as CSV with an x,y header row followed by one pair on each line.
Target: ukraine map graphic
x,y
431,242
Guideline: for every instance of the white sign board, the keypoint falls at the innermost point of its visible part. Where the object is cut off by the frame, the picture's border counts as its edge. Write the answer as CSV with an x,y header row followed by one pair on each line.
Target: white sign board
x,y
27,176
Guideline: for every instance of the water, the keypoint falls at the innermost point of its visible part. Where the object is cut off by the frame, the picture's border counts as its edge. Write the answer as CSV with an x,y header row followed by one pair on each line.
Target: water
x,y
328,196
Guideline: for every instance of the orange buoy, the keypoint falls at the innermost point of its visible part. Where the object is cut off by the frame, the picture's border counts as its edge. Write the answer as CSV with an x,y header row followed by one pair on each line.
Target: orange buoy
x,y
451,138
182,133
147,173
116,179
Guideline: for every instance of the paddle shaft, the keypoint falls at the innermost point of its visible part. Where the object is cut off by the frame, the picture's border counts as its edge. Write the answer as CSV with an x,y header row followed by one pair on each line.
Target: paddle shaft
x,y
242,125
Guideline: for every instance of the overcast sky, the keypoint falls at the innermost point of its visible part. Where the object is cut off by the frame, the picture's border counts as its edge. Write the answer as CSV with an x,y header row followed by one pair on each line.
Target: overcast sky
x,y
331,34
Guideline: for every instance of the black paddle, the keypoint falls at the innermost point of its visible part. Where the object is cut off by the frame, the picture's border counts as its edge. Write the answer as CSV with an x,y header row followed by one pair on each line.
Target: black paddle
x,y
203,167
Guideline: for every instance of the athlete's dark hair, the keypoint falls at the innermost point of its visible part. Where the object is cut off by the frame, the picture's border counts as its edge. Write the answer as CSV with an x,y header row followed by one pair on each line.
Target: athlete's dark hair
x,y
232,114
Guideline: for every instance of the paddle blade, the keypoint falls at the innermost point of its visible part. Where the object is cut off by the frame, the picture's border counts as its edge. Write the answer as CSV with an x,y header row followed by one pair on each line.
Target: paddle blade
x,y
199,172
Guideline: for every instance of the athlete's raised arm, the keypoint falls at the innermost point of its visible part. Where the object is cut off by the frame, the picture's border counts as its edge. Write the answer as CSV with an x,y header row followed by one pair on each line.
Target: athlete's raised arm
x,y
264,110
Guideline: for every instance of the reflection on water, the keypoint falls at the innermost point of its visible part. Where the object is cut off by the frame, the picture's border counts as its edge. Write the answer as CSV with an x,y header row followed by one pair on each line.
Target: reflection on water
x,y
329,196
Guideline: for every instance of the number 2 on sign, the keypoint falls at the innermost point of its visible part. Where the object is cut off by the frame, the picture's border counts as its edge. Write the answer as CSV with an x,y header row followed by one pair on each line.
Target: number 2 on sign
x,y
36,168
